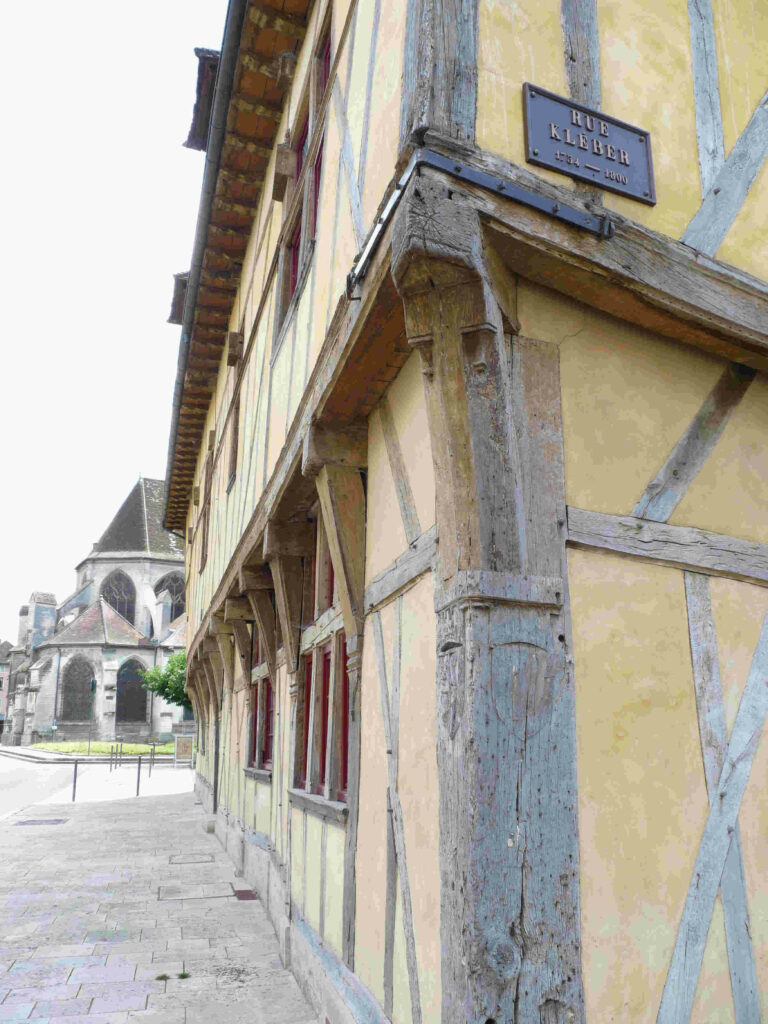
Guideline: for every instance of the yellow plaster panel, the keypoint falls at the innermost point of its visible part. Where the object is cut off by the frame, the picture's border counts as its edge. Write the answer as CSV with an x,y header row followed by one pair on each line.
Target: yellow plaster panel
x,y
647,79
746,244
359,47
518,41
401,993
385,534
263,807
738,610
730,494
409,412
741,35
297,857
371,859
642,796
334,886
418,784
313,894
384,122
249,802
627,398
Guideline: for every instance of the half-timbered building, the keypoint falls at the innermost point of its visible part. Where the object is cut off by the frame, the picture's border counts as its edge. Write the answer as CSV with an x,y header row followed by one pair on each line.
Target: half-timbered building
x,y
469,455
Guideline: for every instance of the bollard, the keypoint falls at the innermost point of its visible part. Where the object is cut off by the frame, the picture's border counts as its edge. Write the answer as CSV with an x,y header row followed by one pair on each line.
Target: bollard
x,y
151,760
138,776
74,783
110,757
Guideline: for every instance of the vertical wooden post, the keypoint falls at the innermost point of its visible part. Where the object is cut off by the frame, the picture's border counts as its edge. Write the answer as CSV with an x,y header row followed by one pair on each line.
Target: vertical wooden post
x,y
509,854
335,457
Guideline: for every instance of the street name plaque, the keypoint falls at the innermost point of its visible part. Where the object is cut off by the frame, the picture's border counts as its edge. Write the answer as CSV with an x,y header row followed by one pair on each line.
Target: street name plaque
x,y
572,139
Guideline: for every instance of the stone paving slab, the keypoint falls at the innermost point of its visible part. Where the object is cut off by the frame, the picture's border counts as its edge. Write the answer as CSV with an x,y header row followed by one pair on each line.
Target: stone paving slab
x,y
86,935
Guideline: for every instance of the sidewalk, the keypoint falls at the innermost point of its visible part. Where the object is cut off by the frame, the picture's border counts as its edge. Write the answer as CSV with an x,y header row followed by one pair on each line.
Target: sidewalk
x,y
99,915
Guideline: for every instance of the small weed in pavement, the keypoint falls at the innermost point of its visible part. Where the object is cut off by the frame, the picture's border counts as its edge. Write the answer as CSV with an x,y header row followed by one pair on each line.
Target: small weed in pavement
x,y
184,974
163,977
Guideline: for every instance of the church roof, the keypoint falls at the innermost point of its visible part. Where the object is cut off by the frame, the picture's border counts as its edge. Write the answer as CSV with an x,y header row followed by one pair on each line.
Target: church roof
x,y
138,525
99,624
177,636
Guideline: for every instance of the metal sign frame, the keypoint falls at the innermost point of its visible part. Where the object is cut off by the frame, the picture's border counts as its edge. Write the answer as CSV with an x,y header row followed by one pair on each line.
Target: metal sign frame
x,y
565,147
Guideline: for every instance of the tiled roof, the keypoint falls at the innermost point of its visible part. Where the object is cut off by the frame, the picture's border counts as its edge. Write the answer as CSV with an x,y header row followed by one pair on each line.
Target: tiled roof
x,y
99,624
138,524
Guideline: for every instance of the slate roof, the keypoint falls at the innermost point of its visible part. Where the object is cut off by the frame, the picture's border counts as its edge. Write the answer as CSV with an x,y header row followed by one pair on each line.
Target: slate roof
x,y
138,525
99,624
177,636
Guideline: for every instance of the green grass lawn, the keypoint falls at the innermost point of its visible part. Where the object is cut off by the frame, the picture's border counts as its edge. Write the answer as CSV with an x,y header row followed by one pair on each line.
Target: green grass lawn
x,y
100,747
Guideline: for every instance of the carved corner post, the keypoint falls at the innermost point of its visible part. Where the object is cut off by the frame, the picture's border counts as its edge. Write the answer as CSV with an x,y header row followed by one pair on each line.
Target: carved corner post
x,y
213,672
509,854
238,613
223,634
335,457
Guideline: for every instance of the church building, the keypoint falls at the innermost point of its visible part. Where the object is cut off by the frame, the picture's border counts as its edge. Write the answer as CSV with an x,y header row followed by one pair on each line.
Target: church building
x,y
76,669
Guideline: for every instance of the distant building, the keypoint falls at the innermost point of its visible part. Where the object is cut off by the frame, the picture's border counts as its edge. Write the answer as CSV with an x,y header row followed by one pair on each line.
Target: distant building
x,y
5,675
76,668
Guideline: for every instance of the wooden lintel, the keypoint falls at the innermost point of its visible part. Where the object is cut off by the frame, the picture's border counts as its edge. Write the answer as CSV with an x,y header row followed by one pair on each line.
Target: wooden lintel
x,y
237,609
331,445
288,539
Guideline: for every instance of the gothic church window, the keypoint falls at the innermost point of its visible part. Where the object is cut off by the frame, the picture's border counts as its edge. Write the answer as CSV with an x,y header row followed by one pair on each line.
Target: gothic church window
x,y
173,582
76,691
119,592
131,703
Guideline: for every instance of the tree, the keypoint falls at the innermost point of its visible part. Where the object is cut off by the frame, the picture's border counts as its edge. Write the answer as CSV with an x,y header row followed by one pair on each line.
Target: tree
x,y
168,680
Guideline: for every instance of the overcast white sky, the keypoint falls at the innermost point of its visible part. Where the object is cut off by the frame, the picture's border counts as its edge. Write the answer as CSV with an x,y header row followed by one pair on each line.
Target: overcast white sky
x,y
100,202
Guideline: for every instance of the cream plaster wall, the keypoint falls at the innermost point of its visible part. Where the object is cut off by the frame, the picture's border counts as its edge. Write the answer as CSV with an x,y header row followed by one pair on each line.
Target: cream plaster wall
x,y
385,535
642,795
334,886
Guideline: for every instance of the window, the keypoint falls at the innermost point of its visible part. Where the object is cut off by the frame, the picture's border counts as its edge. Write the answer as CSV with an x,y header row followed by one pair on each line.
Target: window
x,y
303,208
234,442
262,725
75,699
131,701
206,514
322,728
119,592
173,583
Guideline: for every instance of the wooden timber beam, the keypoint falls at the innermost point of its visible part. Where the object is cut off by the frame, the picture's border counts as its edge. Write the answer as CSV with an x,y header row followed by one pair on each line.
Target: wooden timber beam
x,y
225,643
289,25
342,501
288,539
245,144
496,431
237,609
252,579
243,645
264,617
272,111
285,547
326,445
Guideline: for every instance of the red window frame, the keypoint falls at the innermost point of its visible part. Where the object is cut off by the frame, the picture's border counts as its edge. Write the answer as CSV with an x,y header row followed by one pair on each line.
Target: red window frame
x,y
253,753
268,730
305,731
344,723
324,716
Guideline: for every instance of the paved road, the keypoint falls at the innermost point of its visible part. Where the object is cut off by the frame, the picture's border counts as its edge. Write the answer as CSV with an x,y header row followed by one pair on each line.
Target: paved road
x,y
23,783
101,914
